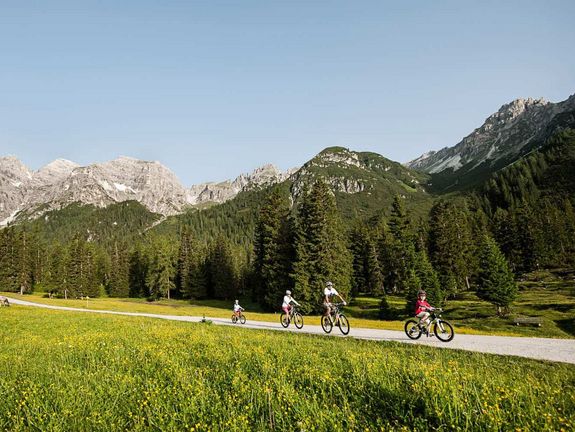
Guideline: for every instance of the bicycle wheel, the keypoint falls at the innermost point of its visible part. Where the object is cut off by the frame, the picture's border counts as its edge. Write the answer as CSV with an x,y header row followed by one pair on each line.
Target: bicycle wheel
x,y
343,324
443,330
242,319
326,324
234,319
412,330
298,320
284,320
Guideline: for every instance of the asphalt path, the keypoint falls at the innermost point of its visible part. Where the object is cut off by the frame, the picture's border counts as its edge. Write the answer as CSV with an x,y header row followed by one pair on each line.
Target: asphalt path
x,y
556,350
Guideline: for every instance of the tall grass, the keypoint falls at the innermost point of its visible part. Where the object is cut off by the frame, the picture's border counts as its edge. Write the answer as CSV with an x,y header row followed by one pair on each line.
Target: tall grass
x,y
63,371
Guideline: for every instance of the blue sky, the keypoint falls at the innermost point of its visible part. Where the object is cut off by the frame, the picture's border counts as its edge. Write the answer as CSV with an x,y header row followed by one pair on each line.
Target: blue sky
x,y
215,88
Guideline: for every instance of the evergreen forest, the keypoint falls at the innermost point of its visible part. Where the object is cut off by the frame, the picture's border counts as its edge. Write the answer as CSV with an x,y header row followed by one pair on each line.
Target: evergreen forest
x,y
263,242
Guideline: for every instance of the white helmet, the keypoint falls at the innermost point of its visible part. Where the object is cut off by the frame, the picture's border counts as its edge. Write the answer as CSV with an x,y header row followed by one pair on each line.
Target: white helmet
x,y
237,301
329,284
288,292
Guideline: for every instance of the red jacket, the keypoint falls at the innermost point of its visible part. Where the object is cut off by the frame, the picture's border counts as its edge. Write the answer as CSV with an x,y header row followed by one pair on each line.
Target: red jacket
x,y
421,306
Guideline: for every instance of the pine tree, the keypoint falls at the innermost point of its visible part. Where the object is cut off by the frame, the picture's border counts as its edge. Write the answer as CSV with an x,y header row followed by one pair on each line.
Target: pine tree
x,y
138,266
429,279
160,278
273,249
496,282
450,243
119,278
321,249
367,276
222,270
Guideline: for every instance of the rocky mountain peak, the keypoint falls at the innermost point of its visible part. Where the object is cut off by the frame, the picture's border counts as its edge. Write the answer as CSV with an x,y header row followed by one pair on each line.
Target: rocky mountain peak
x,y
54,172
503,136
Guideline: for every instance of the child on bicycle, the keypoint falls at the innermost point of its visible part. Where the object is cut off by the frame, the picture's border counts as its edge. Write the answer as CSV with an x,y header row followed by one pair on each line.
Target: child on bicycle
x,y
422,309
288,300
237,308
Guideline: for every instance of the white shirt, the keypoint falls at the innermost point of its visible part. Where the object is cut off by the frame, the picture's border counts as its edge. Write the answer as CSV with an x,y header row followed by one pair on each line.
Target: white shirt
x,y
330,293
287,300
237,307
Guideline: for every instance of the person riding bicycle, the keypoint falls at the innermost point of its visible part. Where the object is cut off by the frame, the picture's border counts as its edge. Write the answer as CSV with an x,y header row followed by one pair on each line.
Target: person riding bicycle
x,y
329,293
237,308
422,309
288,300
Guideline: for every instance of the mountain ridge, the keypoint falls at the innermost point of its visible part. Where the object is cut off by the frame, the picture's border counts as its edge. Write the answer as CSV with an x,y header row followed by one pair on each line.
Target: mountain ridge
x,y
506,135
63,182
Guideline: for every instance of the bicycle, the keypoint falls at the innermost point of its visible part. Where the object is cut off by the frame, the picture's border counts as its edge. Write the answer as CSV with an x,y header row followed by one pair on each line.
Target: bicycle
x,y
441,328
4,301
339,319
241,318
294,316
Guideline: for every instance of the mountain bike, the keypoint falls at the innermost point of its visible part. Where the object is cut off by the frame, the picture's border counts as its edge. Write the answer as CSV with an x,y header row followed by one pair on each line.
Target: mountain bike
x,y
336,318
294,316
241,318
441,328
4,301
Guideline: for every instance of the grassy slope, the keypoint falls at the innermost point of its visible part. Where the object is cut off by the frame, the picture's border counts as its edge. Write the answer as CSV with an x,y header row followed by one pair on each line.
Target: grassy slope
x,y
127,373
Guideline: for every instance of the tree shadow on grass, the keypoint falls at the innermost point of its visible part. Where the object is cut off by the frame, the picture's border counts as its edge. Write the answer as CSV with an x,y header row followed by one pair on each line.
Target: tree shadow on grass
x,y
567,325
559,307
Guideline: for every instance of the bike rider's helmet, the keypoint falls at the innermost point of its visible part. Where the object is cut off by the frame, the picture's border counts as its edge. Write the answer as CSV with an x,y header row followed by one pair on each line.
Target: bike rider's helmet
x,y
421,293
237,301
329,284
288,292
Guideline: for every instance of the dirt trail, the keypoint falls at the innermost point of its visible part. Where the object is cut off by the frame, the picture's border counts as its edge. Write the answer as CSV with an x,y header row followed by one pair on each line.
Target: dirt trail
x,y
558,350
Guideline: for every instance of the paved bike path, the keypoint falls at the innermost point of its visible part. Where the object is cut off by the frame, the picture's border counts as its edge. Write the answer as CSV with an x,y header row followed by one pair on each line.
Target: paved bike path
x,y
558,350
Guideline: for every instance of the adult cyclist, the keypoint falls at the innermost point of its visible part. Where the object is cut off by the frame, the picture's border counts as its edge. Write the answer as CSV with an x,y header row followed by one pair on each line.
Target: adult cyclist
x,y
329,293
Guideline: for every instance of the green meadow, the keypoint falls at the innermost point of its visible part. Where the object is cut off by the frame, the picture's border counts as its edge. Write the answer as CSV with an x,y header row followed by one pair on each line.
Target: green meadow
x,y
66,371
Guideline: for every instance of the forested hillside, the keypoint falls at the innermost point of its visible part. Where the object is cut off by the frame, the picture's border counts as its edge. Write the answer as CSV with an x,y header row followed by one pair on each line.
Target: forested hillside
x,y
357,219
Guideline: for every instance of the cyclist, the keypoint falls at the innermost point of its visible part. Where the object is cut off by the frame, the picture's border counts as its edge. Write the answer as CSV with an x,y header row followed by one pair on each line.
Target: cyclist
x,y
237,308
288,300
422,309
329,293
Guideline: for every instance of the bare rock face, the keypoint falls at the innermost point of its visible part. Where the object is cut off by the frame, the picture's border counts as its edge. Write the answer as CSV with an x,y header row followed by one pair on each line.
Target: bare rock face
x,y
503,135
226,190
62,182
14,182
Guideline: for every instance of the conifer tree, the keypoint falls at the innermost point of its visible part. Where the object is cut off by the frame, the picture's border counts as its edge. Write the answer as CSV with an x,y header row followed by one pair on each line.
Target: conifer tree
x,y
184,270
161,274
222,270
367,276
138,266
450,243
321,250
273,249
119,278
399,248
496,282
429,279
10,260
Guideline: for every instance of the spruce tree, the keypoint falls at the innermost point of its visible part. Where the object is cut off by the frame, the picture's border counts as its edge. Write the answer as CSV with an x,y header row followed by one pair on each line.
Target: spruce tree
x,y
273,250
496,282
161,274
119,278
222,270
450,243
321,250
138,266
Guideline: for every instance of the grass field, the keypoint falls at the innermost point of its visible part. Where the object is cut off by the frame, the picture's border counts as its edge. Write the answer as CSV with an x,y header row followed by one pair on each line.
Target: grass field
x,y
552,300
66,371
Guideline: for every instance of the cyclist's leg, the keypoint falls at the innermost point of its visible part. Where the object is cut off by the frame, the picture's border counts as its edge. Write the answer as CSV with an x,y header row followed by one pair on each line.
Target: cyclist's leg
x,y
423,317
287,312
